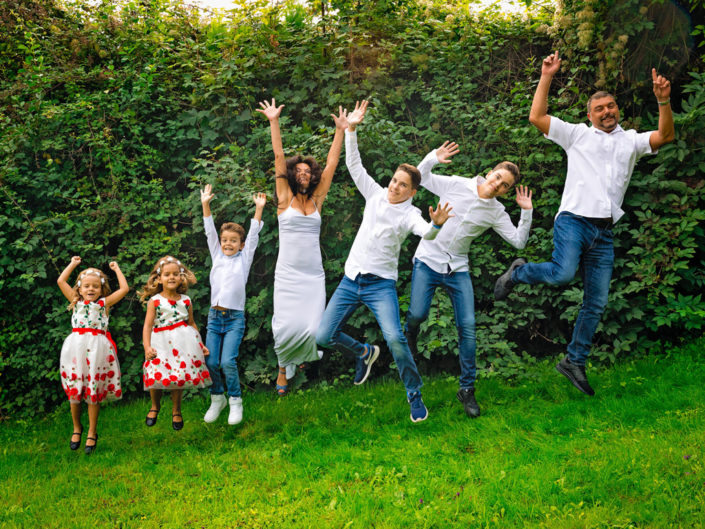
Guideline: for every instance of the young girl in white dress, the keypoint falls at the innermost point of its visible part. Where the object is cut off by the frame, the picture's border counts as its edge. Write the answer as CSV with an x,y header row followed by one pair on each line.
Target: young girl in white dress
x,y
89,366
173,349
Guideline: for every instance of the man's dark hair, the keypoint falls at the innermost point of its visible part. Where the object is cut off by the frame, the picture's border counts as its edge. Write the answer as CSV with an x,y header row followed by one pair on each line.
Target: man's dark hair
x,y
234,227
413,172
599,95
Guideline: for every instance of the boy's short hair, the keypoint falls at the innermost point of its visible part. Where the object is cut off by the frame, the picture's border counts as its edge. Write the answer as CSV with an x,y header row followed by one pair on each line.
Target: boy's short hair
x,y
413,172
511,167
234,227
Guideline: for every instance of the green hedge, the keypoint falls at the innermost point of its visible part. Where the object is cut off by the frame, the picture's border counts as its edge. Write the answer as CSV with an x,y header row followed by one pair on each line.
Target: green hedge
x,y
113,117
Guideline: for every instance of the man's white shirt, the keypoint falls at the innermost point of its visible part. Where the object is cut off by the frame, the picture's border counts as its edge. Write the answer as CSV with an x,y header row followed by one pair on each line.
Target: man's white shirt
x,y
600,165
473,216
229,273
384,225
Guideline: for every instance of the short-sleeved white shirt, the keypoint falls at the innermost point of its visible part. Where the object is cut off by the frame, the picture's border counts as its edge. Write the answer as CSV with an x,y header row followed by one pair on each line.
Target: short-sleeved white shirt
x,y
600,165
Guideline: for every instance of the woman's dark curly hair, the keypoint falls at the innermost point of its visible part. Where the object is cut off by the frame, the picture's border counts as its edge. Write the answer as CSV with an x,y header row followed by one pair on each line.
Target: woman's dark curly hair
x,y
291,175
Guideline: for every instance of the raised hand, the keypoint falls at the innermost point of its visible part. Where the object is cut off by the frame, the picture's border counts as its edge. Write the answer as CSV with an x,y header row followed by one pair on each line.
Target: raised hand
x,y
524,197
75,261
260,199
445,151
662,86
270,110
356,116
207,195
114,266
341,120
551,65
441,214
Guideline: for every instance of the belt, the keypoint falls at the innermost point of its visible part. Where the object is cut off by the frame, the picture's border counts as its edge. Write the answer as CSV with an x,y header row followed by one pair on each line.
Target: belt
x,y
95,332
601,222
170,327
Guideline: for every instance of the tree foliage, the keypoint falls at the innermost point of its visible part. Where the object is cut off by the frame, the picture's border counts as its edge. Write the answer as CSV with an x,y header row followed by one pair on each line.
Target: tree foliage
x,y
113,115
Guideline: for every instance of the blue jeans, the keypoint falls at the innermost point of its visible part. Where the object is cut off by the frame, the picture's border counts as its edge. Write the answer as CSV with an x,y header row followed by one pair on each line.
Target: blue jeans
x,y
577,243
225,331
424,281
380,296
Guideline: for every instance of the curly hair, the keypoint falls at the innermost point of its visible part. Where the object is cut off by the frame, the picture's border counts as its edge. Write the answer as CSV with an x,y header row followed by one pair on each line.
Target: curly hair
x,y
290,176
104,286
153,286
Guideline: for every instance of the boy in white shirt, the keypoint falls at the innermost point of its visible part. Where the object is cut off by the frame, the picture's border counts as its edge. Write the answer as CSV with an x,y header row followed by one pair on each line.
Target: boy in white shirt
x,y
232,258
371,268
443,262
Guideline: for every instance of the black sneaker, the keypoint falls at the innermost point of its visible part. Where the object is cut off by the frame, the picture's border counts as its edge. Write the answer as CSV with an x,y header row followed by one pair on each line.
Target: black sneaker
x,y
576,375
504,284
467,397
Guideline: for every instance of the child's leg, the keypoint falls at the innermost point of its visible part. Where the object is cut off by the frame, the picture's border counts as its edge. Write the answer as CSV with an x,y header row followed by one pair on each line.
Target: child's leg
x,y
235,330
176,404
93,411
156,396
214,341
380,295
77,426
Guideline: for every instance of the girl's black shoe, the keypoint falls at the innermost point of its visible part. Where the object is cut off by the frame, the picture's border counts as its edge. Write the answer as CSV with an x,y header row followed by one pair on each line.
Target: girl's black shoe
x,y
177,425
151,421
75,444
89,449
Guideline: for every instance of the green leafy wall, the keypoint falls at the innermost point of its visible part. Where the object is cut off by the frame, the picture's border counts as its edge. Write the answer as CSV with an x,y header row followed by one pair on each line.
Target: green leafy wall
x,y
112,117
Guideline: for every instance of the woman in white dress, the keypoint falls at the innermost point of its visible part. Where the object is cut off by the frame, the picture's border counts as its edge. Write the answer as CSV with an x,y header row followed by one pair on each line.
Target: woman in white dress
x,y
299,281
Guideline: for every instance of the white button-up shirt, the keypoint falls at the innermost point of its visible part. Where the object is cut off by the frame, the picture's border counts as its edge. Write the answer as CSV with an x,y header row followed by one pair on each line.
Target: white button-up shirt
x,y
384,225
600,165
473,216
229,273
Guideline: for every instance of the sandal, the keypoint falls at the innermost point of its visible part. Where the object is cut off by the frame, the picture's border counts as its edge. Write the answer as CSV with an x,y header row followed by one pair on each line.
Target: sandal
x,y
89,449
151,421
177,425
282,389
73,445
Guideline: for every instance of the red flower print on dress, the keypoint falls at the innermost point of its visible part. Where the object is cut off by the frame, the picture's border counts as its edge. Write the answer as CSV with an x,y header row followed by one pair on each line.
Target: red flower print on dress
x,y
118,393
103,376
156,302
157,376
146,363
196,381
111,358
180,383
188,376
168,366
87,391
182,365
63,373
94,398
172,302
166,382
88,362
111,387
205,374
73,376
187,302
88,377
149,382
86,302
101,303
155,361
197,363
173,378
175,352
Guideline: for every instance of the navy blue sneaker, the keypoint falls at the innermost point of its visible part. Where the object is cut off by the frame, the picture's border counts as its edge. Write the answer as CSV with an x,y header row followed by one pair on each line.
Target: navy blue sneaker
x,y
418,410
363,365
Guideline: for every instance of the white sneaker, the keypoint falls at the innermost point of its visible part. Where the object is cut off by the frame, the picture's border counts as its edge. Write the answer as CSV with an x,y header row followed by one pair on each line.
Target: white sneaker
x,y
218,402
235,416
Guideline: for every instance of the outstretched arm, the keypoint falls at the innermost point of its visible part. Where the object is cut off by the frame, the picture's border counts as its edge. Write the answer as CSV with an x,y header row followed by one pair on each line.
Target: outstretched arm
x,y
362,179
435,183
123,289
539,107
666,132
272,113
341,123
62,281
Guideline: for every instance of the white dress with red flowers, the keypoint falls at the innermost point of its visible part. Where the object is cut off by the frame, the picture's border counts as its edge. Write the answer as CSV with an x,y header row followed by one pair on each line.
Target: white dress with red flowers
x,y
179,363
89,366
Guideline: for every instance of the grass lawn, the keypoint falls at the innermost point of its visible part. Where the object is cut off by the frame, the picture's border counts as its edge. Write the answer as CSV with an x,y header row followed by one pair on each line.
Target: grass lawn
x,y
541,455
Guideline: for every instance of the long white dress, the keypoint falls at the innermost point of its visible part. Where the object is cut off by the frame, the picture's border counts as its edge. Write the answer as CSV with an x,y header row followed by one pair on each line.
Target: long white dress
x,y
299,289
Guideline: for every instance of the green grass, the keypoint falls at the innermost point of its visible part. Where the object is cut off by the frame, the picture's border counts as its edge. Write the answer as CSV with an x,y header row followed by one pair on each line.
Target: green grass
x,y
542,455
